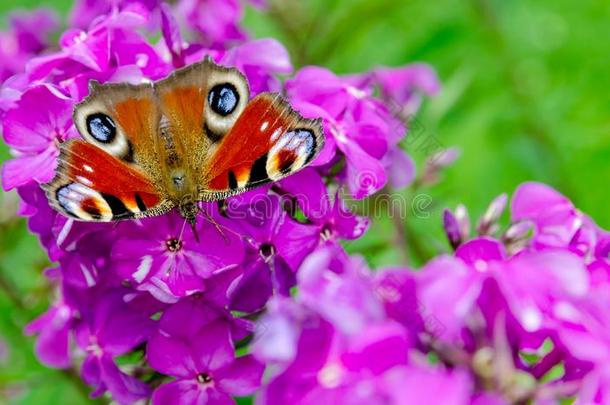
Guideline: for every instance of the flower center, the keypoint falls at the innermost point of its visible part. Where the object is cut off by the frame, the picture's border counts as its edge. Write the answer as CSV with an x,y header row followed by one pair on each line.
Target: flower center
x,y
173,245
204,378
266,251
326,233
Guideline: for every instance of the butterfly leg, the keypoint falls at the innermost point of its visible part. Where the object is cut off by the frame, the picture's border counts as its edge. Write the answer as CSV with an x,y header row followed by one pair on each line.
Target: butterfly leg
x,y
193,224
216,225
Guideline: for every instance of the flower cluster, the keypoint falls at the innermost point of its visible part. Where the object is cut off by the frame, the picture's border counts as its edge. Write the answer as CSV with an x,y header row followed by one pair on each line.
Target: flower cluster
x,y
511,317
144,309
269,303
27,36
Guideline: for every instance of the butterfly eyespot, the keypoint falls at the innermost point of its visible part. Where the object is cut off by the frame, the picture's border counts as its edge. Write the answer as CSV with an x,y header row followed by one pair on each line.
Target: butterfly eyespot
x,y
101,127
223,99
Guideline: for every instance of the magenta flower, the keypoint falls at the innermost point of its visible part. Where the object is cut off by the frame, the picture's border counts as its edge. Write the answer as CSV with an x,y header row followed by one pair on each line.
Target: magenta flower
x,y
404,86
276,246
33,133
270,275
99,53
170,263
28,36
53,328
203,363
111,328
84,12
558,223
32,29
332,217
428,385
356,124
334,344
215,21
340,289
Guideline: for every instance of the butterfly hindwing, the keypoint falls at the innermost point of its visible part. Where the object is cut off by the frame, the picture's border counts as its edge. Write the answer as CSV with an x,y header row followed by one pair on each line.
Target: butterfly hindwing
x,y
92,185
268,142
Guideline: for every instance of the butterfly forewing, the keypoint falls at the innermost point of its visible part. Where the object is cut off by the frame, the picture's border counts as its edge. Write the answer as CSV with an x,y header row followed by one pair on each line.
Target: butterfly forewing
x,y
92,185
269,141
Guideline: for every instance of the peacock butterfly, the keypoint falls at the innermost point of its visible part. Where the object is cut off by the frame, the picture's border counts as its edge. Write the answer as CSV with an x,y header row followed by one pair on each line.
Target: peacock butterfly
x,y
193,136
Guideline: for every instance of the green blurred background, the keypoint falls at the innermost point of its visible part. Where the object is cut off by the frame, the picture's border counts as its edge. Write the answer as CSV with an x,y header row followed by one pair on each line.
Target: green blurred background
x,y
525,97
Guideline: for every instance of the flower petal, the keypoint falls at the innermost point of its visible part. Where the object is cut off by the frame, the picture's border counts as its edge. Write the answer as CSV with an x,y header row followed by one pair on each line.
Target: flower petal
x,y
242,377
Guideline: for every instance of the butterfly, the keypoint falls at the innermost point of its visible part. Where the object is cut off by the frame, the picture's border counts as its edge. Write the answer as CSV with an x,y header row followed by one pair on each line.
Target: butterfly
x,y
193,136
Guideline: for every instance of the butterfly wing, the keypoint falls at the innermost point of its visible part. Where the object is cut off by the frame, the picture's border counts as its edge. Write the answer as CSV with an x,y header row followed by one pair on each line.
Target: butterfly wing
x,y
194,134
92,185
116,171
268,141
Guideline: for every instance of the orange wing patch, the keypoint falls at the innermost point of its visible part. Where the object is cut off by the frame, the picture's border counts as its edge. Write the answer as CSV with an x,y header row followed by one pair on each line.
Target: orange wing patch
x,y
184,108
138,117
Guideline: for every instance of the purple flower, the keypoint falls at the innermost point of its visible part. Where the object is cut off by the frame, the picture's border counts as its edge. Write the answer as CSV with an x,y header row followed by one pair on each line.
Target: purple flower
x,y
333,218
333,343
34,134
355,124
32,29
261,61
402,168
193,313
331,329
27,36
41,217
203,363
109,329
557,222
170,262
53,327
276,246
404,86
214,20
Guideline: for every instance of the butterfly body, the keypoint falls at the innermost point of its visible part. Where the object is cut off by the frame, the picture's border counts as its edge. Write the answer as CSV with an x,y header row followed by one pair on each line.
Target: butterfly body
x,y
193,136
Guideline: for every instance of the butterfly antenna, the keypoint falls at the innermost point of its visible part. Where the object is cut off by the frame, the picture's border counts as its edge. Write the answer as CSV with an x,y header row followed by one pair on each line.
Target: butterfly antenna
x,y
182,229
220,227
216,225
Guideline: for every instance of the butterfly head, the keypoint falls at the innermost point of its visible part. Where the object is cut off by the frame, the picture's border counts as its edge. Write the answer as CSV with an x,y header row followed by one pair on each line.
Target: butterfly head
x,y
189,209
